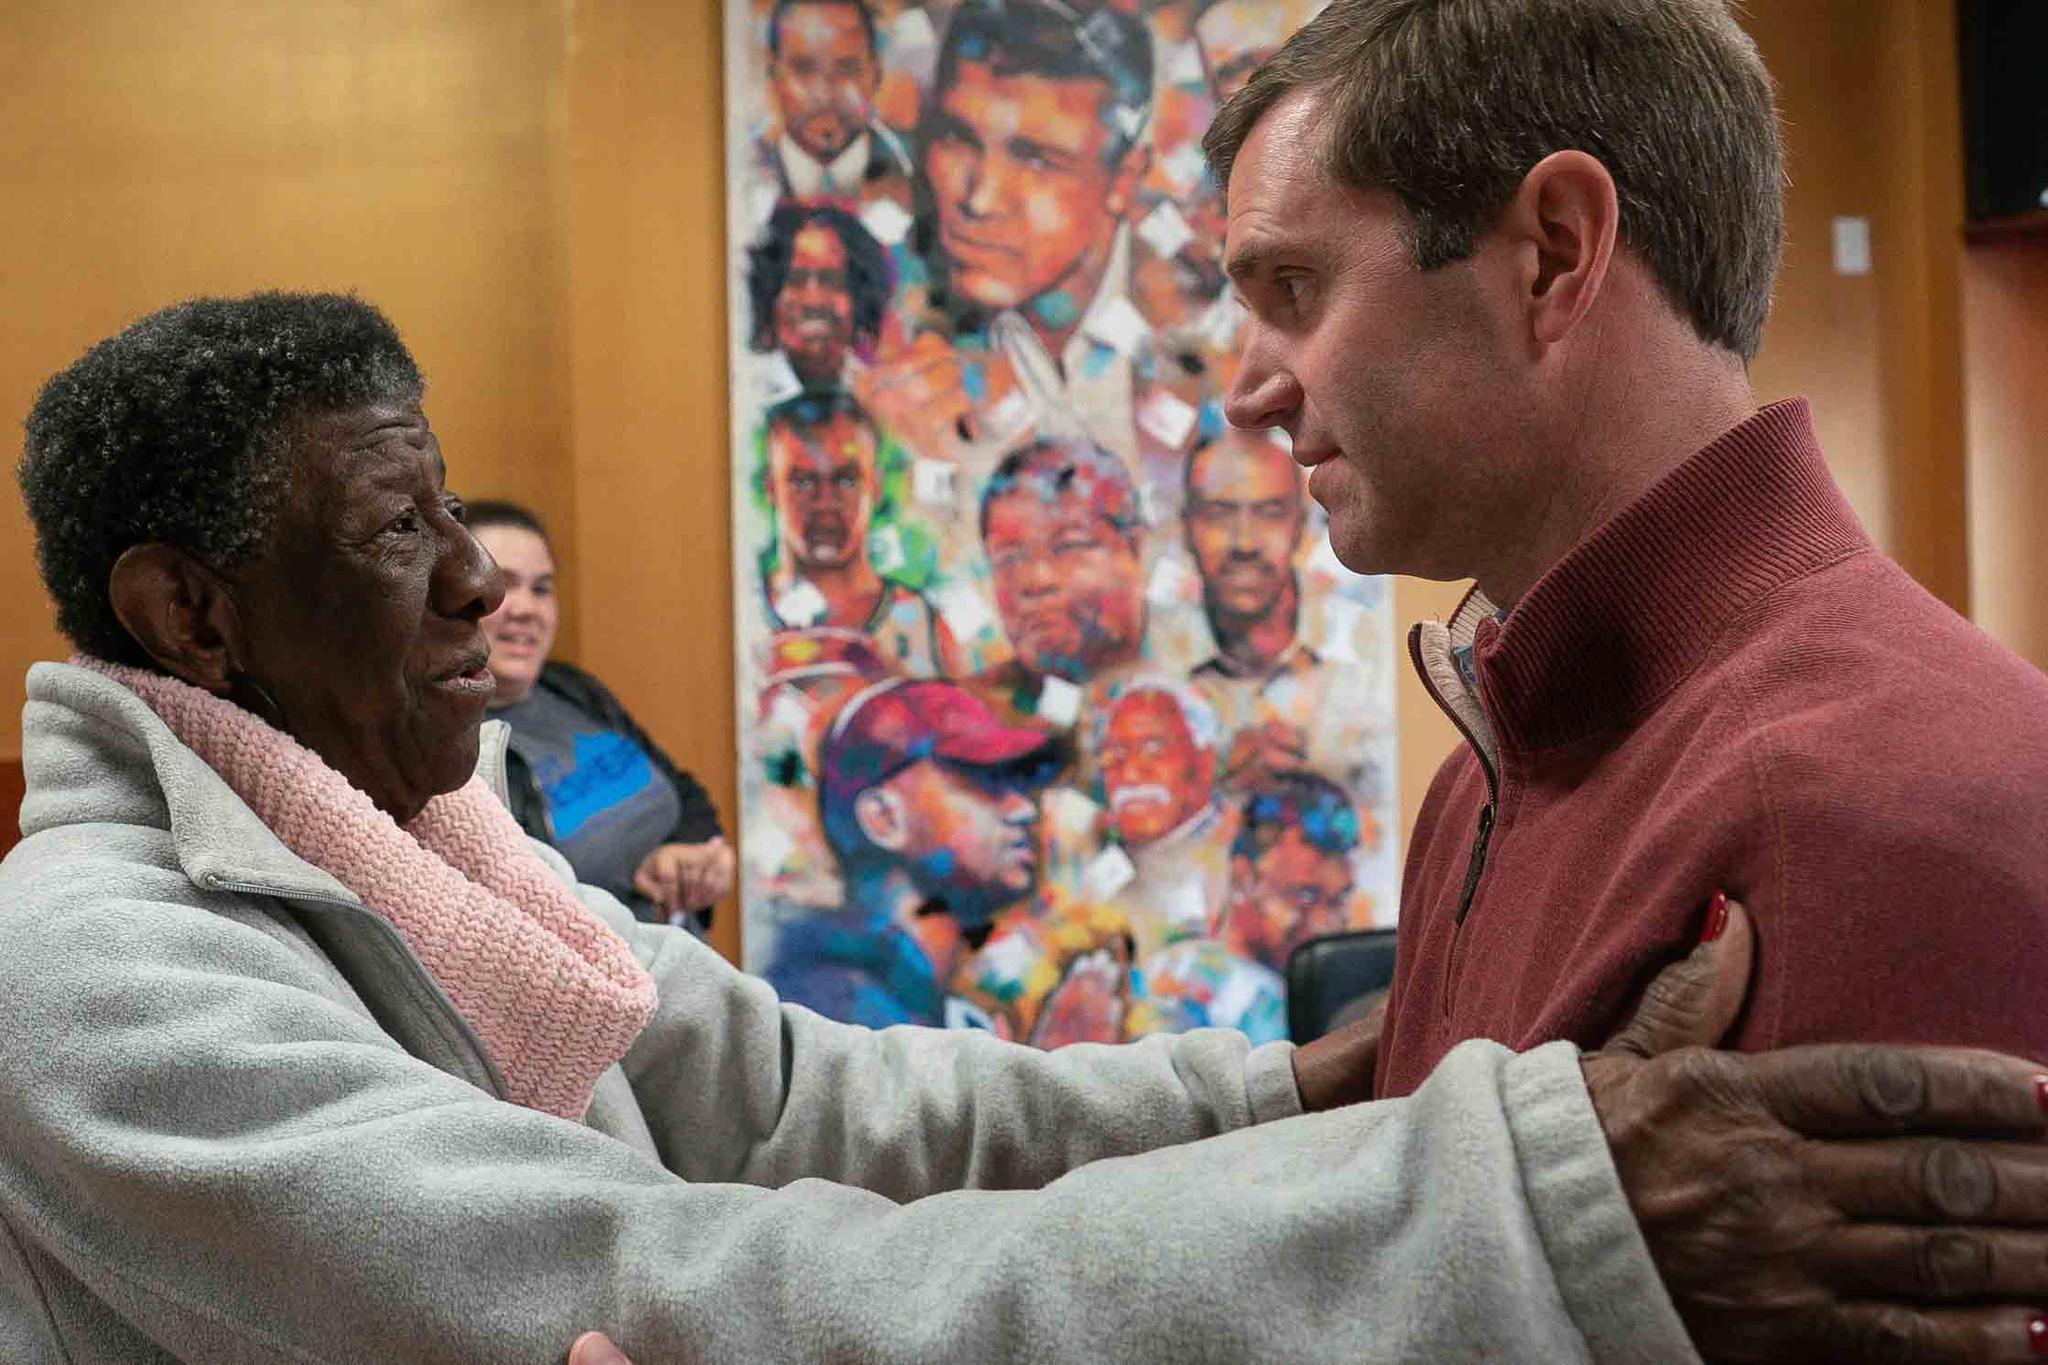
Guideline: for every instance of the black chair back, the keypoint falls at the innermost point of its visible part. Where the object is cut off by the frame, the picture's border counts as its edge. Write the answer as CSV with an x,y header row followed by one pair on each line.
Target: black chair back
x,y
1326,974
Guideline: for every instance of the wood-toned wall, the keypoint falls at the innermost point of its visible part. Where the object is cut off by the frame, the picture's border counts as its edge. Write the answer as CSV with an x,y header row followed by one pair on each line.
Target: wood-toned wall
x,y
534,190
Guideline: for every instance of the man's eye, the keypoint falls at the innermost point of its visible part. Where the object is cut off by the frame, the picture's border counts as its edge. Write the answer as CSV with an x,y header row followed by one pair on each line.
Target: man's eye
x,y
404,525
457,510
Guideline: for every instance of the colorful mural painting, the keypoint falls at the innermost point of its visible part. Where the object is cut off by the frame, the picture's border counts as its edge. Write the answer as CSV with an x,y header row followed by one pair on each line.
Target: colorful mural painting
x,y
1059,717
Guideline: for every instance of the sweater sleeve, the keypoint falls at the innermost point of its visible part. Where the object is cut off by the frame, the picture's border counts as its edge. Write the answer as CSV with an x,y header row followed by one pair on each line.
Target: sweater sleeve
x,y
235,1165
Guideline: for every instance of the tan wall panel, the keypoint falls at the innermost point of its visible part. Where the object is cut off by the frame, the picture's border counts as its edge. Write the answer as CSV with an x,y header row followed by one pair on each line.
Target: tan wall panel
x,y
2006,290
653,587
150,152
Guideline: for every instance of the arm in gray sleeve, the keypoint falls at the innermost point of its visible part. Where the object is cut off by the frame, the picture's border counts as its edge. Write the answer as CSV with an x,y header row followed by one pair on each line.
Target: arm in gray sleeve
x,y
205,1155
737,1085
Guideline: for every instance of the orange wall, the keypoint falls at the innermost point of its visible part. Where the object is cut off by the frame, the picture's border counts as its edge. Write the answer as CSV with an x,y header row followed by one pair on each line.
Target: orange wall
x,y
149,152
2005,286
534,189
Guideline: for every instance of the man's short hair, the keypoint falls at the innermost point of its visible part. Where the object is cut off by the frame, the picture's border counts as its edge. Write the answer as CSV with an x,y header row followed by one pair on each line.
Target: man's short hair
x,y
783,7
1049,469
1296,799
1447,105
1058,41
869,277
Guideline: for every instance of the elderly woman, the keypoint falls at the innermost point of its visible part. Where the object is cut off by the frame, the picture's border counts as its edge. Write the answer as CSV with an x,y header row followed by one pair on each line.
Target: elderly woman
x,y
309,1054
581,773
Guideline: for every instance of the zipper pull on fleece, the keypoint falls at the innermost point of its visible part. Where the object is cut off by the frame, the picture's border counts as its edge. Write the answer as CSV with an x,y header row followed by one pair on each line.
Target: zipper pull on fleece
x,y
1477,864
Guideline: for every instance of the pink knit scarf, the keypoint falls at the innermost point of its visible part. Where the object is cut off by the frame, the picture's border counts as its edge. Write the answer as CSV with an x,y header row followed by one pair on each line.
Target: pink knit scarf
x,y
554,995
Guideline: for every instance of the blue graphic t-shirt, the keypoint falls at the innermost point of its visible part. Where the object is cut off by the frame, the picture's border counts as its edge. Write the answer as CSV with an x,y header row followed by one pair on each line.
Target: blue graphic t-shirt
x,y
608,806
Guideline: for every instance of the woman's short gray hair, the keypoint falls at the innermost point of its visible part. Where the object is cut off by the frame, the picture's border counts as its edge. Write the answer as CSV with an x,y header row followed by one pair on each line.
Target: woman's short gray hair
x,y
177,429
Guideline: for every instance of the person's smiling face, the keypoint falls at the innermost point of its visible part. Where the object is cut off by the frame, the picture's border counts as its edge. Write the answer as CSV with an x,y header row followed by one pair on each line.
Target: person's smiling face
x,y
359,619
522,630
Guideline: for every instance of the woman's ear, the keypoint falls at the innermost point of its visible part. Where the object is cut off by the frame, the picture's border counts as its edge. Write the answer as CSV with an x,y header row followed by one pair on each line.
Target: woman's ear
x,y
179,611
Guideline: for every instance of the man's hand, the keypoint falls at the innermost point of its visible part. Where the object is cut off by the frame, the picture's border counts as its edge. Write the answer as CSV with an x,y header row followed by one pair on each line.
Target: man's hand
x,y
1337,1067
1817,1204
686,876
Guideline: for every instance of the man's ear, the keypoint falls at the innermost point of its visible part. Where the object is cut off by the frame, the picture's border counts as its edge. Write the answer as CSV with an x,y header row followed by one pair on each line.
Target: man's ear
x,y
1561,225
179,611
881,815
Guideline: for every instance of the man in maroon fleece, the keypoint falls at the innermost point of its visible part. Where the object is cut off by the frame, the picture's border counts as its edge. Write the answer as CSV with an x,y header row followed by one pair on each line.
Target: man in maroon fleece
x,y
1505,262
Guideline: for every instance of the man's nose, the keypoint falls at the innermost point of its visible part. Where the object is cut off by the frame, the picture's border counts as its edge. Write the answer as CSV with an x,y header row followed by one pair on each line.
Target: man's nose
x,y
1263,393
1018,809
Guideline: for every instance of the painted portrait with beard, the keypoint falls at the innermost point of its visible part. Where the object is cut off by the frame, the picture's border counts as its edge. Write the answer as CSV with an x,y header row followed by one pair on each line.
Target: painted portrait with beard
x,y
980,339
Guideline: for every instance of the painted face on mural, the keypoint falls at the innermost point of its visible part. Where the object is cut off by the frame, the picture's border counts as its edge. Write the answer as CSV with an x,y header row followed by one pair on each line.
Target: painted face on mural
x,y
814,311
965,835
1295,891
1154,775
1245,516
824,76
1067,582
1027,201
821,479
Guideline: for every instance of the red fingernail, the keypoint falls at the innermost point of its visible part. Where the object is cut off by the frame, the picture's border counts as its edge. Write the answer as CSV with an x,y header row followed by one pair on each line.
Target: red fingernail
x,y
2037,1335
1717,918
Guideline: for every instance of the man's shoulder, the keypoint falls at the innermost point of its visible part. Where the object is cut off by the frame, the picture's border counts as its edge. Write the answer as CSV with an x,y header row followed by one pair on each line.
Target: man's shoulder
x,y
1860,668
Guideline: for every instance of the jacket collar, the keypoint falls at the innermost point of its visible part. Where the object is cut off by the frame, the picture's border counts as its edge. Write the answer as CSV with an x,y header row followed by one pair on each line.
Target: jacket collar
x,y
219,842
1638,605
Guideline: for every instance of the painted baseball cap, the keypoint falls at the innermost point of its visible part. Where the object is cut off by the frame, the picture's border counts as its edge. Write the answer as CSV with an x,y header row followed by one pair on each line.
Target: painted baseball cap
x,y
885,728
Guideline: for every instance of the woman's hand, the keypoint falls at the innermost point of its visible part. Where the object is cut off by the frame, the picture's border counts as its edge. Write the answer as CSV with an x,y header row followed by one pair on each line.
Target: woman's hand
x,y
687,876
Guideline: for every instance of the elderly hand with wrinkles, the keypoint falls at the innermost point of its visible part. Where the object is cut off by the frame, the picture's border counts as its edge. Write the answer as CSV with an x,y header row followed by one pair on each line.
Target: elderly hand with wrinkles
x,y
1838,1203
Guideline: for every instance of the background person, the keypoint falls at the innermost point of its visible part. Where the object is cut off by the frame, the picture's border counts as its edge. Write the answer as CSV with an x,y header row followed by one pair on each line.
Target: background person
x,y
582,775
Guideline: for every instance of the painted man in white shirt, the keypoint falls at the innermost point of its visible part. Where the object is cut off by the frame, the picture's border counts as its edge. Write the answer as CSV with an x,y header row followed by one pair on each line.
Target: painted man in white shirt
x,y
824,69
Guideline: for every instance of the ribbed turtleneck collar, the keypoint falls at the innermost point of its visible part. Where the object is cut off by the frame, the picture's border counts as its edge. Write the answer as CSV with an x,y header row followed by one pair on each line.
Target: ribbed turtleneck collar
x,y
1634,608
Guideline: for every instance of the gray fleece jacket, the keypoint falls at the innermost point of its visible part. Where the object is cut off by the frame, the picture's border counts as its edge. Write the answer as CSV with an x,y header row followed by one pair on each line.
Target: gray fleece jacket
x,y
239,1123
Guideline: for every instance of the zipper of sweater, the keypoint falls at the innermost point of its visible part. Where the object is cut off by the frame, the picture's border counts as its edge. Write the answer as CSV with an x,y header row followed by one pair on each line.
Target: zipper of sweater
x,y
1476,864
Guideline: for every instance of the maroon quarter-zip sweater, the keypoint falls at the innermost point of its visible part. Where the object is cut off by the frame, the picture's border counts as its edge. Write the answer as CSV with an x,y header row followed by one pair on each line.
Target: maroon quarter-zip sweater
x,y
1728,686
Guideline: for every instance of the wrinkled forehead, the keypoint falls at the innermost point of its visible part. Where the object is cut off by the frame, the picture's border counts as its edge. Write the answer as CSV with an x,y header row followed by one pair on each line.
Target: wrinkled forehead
x,y
376,444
